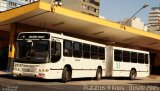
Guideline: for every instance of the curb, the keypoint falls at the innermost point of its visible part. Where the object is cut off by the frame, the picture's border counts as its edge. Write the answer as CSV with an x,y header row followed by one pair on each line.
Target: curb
x,y
5,73
154,77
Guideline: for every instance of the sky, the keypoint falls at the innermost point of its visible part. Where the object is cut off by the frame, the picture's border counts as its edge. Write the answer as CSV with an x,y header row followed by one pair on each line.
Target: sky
x,y
117,10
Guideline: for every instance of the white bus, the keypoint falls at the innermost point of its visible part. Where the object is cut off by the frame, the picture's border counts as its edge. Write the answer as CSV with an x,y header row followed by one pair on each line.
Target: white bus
x,y
125,62
55,56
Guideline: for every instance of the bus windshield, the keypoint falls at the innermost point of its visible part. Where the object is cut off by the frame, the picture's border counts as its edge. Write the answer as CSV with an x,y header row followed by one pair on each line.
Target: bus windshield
x,y
40,46
32,51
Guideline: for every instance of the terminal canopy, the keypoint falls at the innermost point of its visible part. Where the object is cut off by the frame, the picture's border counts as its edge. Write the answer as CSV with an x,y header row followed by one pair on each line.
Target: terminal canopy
x,y
41,14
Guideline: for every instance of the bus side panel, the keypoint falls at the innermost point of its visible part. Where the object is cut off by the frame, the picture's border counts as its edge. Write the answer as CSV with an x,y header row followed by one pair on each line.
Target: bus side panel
x,y
142,74
121,69
109,61
82,67
83,73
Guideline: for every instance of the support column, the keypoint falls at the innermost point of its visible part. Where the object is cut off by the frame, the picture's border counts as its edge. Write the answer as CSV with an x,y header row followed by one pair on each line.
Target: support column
x,y
11,51
157,64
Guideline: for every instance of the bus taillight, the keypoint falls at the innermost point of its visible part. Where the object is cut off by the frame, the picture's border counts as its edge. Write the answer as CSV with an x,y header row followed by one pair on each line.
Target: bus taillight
x,y
41,75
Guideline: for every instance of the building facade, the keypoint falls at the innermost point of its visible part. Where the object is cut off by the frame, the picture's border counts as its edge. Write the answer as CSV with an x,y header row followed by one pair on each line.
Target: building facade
x,y
134,22
90,7
154,20
9,4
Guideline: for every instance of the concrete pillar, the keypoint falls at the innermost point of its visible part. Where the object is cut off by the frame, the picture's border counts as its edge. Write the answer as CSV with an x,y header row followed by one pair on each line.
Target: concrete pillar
x,y
157,64
11,51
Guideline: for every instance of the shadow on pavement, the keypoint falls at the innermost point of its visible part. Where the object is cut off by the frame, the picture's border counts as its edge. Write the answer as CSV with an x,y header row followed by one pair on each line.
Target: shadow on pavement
x,y
148,84
120,78
9,76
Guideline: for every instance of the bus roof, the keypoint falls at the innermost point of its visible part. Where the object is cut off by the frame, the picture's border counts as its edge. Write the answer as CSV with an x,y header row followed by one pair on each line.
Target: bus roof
x,y
129,49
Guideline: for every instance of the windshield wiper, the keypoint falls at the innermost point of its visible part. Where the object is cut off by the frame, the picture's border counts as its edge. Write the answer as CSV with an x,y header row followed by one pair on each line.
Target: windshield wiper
x,y
28,54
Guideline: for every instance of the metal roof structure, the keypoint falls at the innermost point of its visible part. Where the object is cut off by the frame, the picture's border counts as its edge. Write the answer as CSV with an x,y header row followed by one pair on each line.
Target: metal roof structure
x,y
62,19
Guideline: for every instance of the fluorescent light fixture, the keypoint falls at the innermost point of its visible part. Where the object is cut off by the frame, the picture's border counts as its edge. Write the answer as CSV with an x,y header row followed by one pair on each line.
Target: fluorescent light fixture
x,y
128,39
57,2
153,43
57,24
98,33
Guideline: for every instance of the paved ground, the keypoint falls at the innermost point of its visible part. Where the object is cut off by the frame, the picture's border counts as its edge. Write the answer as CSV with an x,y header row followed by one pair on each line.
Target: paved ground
x,y
9,83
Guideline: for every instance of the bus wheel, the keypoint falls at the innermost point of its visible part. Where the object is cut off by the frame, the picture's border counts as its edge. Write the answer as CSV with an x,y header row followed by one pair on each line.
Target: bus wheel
x,y
98,74
66,75
133,74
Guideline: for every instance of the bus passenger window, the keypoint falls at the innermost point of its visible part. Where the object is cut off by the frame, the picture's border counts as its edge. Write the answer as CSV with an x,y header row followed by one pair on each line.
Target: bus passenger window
x,y
146,58
117,55
101,53
134,57
140,58
55,51
86,51
77,49
67,48
94,52
126,56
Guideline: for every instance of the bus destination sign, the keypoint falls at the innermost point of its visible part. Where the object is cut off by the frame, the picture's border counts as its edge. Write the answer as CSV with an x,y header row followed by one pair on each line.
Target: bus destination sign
x,y
34,36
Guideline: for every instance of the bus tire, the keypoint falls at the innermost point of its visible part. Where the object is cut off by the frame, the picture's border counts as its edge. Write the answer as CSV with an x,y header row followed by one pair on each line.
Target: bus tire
x,y
133,74
66,75
98,74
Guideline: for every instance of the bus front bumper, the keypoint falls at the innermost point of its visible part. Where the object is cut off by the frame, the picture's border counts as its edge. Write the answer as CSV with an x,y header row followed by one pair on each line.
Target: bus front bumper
x,y
42,75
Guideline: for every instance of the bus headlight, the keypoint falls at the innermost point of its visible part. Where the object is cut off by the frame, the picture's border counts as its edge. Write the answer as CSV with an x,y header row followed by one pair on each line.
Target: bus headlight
x,y
39,70
20,65
15,65
43,70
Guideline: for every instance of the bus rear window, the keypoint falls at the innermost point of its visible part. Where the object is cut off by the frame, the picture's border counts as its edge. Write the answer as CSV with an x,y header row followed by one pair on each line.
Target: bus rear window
x,y
146,58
